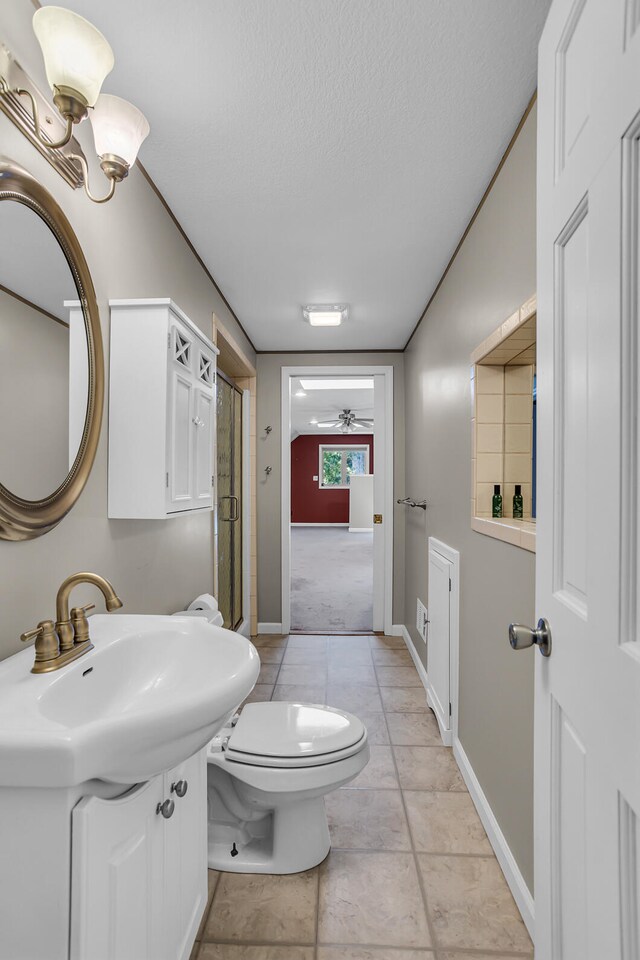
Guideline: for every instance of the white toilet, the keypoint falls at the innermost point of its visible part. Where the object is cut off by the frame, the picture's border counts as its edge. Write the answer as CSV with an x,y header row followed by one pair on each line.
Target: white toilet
x,y
268,772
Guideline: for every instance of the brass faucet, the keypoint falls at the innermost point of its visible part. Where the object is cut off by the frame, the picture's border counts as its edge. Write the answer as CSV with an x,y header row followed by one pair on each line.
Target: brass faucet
x,y
69,639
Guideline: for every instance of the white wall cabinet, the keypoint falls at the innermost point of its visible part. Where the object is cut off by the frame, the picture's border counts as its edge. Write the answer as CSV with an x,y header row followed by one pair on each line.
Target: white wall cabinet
x,y
161,412
138,878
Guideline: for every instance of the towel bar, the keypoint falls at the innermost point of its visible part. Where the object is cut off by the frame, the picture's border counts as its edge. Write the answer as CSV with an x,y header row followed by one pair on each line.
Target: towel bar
x,y
410,502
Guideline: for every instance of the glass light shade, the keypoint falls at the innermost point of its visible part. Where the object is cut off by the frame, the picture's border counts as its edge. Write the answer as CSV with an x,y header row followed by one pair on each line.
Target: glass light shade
x,y
118,128
76,55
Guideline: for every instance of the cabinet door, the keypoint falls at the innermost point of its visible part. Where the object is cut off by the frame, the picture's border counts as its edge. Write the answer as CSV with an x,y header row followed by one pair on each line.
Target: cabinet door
x,y
186,855
203,448
180,442
117,877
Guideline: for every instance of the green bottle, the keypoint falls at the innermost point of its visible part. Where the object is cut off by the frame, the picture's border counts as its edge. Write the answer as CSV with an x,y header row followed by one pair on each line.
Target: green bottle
x,y
496,503
517,503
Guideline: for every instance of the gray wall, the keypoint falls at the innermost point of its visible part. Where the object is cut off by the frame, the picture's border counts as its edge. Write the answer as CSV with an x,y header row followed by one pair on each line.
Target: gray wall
x,y
269,412
133,250
494,272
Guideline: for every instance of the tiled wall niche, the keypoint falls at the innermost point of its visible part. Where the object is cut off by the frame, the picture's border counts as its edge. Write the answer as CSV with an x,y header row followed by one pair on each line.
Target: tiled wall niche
x,y
502,372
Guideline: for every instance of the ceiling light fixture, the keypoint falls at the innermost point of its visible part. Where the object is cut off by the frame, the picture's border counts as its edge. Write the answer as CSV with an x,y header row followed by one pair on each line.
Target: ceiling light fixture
x,y
77,59
363,383
325,314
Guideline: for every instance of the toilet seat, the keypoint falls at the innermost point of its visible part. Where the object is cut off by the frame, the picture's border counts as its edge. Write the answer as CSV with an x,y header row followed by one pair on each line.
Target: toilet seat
x,y
275,734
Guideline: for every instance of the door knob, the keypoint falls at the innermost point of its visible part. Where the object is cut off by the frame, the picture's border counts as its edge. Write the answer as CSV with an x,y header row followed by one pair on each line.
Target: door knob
x,y
521,637
166,808
180,788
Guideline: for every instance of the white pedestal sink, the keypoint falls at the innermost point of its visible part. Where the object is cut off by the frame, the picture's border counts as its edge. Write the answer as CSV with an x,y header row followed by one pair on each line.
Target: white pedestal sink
x,y
120,722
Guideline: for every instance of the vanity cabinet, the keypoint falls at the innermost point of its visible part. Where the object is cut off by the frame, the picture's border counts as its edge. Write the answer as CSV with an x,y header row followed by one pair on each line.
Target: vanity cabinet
x,y
162,376
138,876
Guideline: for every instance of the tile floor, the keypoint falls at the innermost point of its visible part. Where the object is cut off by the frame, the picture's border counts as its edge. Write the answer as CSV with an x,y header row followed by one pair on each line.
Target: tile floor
x,y
411,874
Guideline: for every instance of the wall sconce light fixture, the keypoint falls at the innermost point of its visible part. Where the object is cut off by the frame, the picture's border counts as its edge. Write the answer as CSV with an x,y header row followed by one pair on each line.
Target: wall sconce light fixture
x,y
77,59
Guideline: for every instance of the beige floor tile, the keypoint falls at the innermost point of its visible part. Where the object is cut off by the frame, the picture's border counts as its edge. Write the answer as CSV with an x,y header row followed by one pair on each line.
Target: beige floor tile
x,y
227,951
300,693
346,646
428,768
470,904
404,699
445,823
398,676
376,725
387,643
305,656
260,693
344,654
299,673
449,955
392,657
268,673
265,908
351,673
271,654
354,697
367,820
306,641
414,729
212,879
268,640
373,899
380,772
372,953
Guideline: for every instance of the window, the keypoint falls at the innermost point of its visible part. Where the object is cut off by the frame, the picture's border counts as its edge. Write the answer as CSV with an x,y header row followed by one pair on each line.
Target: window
x,y
339,463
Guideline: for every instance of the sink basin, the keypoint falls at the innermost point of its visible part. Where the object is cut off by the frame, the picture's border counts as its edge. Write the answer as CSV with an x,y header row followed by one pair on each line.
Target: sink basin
x,y
152,692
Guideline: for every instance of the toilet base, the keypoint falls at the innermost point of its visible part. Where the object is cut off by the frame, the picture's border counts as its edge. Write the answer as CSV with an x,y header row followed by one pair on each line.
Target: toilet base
x,y
297,840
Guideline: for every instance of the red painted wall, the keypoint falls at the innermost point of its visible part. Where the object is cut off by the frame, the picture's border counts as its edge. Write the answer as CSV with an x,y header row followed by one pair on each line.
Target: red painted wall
x,y
309,503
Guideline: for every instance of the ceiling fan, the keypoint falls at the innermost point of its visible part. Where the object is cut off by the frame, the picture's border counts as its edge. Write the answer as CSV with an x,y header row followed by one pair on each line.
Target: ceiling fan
x,y
347,422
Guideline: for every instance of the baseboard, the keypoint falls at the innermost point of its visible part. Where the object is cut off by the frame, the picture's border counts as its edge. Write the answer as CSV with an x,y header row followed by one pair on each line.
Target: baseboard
x,y
514,878
399,630
507,861
360,529
319,524
270,628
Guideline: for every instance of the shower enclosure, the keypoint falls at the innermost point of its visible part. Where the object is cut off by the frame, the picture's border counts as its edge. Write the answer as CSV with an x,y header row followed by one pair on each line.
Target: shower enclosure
x,y
229,500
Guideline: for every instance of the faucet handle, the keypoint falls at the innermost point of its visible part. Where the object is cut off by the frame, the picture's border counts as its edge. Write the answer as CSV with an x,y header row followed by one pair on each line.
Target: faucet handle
x,y
47,644
80,623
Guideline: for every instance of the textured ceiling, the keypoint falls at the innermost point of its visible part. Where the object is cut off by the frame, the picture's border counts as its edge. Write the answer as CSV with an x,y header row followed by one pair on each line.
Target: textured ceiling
x,y
324,150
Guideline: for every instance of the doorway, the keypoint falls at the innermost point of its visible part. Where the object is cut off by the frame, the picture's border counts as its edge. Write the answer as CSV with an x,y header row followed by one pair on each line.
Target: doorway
x,y
337,564
229,456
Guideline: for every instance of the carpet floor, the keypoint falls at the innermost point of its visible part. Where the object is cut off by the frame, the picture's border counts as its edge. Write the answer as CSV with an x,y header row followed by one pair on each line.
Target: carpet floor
x,y
331,580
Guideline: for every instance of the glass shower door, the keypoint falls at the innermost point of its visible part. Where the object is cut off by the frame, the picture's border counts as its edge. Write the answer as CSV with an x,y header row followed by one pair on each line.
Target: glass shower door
x,y
229,478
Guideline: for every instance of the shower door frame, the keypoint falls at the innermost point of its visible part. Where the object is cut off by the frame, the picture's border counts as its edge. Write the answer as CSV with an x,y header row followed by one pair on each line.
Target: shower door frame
x,y
242,518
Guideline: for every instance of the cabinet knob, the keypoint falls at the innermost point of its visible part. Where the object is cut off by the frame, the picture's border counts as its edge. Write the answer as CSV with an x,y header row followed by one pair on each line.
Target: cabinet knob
x,y
166,808
180,788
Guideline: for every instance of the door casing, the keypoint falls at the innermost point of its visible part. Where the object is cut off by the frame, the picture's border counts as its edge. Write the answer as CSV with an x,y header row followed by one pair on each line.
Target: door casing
x,y
384,463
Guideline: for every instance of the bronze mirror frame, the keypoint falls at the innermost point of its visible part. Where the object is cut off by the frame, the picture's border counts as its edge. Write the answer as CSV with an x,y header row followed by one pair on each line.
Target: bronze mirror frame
x,y
26,519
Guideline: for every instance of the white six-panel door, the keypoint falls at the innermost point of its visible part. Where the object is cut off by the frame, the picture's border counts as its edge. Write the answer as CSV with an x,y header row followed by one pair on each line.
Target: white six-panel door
x,y
587,739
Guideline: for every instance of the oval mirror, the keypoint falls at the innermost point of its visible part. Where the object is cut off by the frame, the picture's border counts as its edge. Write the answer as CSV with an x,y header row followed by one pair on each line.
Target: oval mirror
x,y
51,388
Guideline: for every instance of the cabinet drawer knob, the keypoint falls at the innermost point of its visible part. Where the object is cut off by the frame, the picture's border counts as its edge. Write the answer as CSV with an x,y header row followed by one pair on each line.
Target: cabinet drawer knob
x,y
166,808
180,788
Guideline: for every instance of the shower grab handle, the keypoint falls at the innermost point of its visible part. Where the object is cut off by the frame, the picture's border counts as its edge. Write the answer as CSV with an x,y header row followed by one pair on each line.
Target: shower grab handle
x,y
410,502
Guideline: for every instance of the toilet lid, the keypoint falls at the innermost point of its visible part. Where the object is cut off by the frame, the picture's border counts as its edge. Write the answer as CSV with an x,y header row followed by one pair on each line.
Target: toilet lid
x,y
288,734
